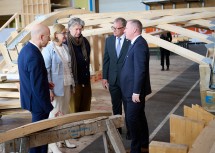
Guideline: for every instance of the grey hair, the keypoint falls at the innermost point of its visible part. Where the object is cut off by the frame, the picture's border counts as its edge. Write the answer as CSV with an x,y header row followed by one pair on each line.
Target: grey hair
x,y
122,20
137,24
75,21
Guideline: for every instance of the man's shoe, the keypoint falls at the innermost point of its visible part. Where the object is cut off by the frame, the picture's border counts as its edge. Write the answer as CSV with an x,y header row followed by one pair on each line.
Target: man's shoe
x,y
162,69
144,150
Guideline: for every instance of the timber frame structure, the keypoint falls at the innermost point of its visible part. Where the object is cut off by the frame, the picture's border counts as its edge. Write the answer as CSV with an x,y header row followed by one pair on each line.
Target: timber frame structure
x,y
97,28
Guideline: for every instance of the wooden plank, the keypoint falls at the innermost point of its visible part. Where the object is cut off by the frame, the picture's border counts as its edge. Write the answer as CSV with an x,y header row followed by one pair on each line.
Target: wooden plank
x,y
175,19
184,130
8,103
195,114
212,148
9,94
114,137
164,147
8,85
205,141
49,123
201,22
65,132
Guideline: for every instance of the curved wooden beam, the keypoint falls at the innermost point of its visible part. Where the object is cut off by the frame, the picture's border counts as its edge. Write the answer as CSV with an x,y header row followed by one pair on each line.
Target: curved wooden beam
x,y
185,32
49,123
175,48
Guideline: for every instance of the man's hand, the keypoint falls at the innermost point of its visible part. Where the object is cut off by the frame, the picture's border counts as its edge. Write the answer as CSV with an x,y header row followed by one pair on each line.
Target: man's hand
x,y
51,85
105,84
136,98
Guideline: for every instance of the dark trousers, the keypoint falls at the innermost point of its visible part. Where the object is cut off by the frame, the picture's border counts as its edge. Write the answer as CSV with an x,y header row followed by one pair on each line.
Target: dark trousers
x,y
81,99
164,53
38,117
137,124
117,101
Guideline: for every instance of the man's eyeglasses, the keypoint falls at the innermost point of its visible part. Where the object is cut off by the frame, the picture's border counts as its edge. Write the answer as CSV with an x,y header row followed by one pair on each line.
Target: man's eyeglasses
x,y
114,28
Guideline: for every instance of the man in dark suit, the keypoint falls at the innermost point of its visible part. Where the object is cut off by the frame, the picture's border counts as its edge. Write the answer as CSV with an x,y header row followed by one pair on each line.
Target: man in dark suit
x,y
34,86
116,48
164,52
135,85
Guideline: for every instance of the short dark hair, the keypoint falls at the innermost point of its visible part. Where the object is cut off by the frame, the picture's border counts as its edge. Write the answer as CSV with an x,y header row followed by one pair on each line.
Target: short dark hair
x,y
122,20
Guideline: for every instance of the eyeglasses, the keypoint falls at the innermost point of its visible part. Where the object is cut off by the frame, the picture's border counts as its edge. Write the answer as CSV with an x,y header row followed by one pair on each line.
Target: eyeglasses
x,y
114,28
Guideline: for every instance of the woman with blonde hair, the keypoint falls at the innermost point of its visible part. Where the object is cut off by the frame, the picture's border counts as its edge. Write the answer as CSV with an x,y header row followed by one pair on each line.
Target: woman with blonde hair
x,y
58,64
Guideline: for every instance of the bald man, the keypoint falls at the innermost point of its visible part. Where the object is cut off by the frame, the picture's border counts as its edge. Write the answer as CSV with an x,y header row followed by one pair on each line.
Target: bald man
x,y
34,86
135,85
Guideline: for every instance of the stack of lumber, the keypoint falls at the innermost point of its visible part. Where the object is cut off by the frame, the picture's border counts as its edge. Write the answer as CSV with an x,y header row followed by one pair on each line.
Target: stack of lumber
x,y
9,94
191,133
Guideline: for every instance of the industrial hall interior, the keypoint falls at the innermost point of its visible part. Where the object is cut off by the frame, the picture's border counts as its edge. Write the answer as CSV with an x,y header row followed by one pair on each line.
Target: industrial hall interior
x,y
107,76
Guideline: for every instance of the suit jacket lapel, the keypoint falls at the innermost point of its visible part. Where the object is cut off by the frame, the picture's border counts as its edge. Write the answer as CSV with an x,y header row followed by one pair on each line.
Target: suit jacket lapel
x,y
129,49
113,43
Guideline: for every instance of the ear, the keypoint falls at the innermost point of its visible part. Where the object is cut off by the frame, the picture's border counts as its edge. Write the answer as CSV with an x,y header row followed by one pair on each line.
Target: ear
x,y
41,37
134,30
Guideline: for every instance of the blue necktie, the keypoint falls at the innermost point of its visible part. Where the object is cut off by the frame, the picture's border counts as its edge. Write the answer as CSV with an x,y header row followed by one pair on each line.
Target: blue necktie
x,y
118,47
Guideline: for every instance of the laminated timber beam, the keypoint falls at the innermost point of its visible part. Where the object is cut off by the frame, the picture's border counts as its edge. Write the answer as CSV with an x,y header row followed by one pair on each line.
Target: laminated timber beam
x,y
175,48
200,22
49,123
176,19
185,32
70,131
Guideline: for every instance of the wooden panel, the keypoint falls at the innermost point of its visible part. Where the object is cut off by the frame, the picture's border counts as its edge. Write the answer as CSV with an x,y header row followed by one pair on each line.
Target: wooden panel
x,y
10,7
205,141
184,130
164,147
197,114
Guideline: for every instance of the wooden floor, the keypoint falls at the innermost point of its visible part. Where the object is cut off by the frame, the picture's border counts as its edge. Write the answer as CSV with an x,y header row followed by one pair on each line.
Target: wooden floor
x,y
170,91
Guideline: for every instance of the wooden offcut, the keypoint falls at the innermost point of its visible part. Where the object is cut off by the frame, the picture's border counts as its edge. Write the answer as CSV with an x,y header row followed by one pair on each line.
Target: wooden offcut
x,y
165,147
184,130
205,141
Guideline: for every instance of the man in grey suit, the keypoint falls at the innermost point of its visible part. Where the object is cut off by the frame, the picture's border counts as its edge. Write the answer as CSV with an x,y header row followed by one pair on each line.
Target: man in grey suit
x,y
116,48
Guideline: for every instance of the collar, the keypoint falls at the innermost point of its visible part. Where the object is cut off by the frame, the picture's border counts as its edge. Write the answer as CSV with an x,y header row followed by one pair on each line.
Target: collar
x,y
122,37
34,45
133,40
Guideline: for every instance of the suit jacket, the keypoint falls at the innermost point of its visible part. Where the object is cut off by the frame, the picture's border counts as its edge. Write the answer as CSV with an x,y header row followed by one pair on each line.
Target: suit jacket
x,y
135,71
34,86
55,68
112,65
